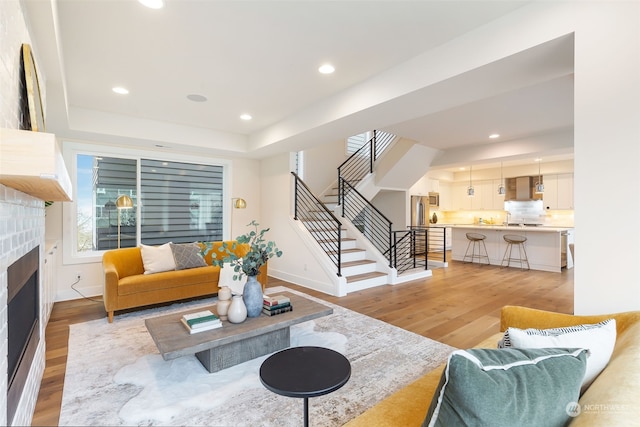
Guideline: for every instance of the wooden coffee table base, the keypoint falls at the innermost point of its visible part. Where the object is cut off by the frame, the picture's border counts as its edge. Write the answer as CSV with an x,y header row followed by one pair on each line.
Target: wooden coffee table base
x,y
231,354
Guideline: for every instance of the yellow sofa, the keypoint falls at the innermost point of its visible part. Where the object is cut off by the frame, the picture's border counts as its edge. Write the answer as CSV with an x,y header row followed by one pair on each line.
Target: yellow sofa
x,y
611,400
126,285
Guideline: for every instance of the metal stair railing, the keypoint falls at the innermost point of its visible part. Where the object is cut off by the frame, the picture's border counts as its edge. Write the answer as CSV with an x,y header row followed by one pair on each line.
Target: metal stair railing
x,y
360,163
321,223
367,218
405,248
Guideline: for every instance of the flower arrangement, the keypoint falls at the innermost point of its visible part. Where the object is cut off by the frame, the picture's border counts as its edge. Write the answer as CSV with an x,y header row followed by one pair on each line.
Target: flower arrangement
x,y
259,252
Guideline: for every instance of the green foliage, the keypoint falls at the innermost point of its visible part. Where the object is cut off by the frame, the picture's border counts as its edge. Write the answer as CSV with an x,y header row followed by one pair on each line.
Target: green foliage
x,y
259,253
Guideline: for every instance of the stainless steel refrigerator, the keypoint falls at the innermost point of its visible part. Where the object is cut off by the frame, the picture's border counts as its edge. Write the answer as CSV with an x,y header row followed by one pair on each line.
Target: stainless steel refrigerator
x,y
419,219
419,211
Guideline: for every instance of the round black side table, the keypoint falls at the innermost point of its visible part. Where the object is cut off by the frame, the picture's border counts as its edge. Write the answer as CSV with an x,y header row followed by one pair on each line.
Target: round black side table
x,y
305,372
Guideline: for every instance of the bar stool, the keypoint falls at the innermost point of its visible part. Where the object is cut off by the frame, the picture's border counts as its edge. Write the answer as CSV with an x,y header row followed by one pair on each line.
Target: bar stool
x,y
514,239
476,241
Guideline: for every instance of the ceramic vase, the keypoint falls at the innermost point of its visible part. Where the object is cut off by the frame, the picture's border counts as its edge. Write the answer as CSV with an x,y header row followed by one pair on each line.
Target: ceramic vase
x,y
237,312
252,295
224,301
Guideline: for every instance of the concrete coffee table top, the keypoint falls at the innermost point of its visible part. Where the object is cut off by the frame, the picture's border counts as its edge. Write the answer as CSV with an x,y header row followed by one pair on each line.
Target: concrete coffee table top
x,y
233,343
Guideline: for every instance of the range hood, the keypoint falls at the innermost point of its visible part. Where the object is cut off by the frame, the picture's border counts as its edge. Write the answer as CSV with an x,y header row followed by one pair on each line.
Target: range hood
x,y
31,162
522,188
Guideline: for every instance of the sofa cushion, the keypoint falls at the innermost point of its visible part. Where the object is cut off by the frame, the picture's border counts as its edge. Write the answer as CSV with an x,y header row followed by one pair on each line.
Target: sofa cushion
x,y
169,280
187,255
599,339
157,258
508,387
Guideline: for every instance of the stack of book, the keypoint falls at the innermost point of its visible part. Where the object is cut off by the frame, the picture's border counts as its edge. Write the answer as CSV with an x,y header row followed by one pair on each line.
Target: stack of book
x,y
277,304
200,321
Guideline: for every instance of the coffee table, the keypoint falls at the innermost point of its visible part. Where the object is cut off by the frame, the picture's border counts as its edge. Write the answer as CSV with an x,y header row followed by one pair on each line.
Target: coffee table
x,y
233,343
305,372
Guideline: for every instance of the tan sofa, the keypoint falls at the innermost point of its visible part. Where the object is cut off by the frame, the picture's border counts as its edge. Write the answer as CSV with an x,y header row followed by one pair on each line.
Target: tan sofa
x,y
611,400
126,285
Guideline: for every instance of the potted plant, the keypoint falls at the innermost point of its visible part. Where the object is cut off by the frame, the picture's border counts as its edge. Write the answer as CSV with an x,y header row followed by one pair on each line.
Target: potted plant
x,y
259,252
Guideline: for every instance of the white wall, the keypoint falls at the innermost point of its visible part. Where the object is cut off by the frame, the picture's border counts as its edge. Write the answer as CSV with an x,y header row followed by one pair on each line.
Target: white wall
x,y
393,205
607,156
321,165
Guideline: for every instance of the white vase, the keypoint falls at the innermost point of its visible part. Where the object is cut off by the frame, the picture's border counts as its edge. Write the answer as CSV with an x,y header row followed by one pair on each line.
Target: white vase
x,y
224,293
222,307
237,312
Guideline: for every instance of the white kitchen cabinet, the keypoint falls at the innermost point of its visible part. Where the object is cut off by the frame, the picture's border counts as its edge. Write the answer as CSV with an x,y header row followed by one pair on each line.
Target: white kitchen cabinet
x,y
565,191
459,198
558,191
433,185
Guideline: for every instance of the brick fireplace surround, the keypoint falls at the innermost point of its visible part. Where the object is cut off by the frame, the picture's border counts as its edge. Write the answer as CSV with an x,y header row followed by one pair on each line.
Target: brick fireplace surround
x,y
22,227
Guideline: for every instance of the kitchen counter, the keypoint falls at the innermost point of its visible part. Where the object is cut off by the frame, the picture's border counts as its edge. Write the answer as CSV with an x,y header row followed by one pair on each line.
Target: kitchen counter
x,y
547,247
512,228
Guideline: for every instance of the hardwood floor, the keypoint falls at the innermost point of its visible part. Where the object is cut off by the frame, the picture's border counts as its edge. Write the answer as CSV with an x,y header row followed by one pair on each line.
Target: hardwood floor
x,y
459,305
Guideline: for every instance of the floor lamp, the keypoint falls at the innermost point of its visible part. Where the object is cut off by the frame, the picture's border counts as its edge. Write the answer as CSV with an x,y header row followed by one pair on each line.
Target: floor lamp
x,y
122,202
236,203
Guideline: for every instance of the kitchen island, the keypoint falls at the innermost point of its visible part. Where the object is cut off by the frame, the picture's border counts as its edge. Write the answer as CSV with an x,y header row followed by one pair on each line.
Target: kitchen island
x,y
547,247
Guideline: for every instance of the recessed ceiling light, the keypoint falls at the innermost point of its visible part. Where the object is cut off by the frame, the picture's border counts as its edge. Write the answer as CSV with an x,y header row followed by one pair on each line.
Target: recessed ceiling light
x,y
120,90
196,98
246,116
494,135
152,4
326,69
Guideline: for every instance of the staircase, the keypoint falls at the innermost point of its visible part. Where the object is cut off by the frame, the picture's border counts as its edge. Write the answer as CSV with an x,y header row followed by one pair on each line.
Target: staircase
x,y
358,268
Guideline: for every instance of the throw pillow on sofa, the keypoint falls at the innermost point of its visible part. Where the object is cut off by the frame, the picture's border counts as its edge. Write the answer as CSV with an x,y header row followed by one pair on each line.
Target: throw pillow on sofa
x,y
599,339
187,255
507,387
157,258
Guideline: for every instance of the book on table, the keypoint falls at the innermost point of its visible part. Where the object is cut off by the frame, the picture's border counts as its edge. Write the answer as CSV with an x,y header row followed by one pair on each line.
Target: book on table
x,y
201,321
275,307
276,300
270,311
202,326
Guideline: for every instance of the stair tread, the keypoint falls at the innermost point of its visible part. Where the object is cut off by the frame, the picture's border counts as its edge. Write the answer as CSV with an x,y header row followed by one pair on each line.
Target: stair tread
x,y
344,239
364,276
355,263
354,250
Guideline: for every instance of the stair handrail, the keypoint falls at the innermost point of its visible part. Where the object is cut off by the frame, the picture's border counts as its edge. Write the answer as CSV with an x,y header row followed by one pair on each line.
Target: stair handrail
x,y
361,162
304,199
378,231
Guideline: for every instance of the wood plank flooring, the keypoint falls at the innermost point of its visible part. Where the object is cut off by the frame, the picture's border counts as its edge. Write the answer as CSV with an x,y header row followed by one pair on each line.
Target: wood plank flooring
x,y
459,305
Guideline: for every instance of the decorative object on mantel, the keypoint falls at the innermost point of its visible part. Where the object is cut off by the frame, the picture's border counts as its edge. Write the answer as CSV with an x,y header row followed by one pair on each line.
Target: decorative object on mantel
x,y
33,112
237,312
258,254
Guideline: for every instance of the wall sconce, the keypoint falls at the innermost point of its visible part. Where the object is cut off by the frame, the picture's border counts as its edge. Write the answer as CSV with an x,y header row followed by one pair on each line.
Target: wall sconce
x,y
470,190
236,203
122,202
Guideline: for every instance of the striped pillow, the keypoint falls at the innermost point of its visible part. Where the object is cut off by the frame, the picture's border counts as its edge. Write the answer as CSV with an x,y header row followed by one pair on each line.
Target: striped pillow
x,y
599,339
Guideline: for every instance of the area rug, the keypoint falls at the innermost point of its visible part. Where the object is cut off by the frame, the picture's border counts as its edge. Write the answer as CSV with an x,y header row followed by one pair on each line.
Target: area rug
x,y
115,375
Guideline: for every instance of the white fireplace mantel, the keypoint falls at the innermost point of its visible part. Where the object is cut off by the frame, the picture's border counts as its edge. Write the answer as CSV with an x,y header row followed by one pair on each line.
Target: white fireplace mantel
x,y
31,162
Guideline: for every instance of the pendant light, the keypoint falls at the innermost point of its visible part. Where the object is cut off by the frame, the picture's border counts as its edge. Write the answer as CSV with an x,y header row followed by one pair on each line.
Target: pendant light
x,y
539,185
501,189
470,190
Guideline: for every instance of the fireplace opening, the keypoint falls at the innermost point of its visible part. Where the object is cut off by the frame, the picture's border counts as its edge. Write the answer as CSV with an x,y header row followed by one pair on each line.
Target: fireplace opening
x,y
23,308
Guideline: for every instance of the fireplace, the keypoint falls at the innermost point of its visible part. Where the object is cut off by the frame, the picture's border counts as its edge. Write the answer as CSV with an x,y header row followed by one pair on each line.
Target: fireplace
x,y
22,320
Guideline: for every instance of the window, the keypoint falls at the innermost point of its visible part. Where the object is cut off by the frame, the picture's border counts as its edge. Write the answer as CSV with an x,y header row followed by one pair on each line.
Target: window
x,y
173,201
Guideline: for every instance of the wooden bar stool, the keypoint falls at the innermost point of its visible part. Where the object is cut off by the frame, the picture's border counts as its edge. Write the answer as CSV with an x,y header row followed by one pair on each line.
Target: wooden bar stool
x,y
514,239
476,244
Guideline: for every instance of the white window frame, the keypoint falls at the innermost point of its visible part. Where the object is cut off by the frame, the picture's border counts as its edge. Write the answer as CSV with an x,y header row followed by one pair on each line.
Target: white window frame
x,y
70,150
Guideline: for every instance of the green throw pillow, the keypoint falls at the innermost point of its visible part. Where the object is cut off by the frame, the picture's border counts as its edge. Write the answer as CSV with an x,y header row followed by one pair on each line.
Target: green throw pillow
x,y
508,387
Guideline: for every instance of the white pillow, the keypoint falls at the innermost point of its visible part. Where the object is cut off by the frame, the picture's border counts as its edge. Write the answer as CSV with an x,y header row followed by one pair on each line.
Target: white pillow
x,y
226,279
599,339
157,258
